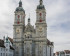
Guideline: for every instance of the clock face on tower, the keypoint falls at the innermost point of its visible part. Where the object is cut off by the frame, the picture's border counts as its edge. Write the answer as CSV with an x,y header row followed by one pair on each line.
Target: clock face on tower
x,y
40,28
17,30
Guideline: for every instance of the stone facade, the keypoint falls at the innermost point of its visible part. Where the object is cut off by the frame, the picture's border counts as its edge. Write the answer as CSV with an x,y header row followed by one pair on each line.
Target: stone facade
x,y
30,41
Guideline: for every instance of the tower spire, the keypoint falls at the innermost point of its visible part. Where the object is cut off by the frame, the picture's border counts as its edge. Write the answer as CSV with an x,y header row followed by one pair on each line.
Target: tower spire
x,y
29,18
41,2
20,3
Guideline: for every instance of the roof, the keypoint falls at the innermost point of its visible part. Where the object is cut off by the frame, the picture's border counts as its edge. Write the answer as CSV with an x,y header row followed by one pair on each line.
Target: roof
x,y
11,48
60,52
20,8
57,53
29,28
49,43
11,40
67,51
63,52
2,43
40,7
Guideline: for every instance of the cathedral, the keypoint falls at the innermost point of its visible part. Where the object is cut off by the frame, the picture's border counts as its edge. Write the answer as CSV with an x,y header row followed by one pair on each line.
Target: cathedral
x,y
29,40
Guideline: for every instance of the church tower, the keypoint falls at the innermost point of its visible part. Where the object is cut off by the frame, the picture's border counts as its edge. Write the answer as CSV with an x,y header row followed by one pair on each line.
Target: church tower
x,y
41,31
19,26
41,25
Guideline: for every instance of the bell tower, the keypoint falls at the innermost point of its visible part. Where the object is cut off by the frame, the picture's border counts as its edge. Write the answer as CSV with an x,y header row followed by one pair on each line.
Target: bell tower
x,y
41,25
19,15
18,27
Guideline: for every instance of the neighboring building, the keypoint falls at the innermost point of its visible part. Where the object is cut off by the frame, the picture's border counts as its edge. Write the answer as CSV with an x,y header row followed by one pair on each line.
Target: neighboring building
x,y
63,53
6,48
30,41
2,48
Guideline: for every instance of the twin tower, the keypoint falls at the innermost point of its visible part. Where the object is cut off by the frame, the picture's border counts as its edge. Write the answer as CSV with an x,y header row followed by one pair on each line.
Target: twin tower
x,y
30,41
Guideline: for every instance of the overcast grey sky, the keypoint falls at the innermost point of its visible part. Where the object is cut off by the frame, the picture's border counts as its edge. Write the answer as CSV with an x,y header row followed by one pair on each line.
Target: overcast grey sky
x,y
58,19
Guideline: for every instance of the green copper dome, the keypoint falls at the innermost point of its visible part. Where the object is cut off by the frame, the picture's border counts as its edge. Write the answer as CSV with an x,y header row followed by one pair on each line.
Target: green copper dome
x,y
40,7
7,39
20,8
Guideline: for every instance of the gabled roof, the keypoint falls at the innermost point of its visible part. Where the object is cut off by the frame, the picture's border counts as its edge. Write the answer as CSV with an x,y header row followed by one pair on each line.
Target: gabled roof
x,y
2,43
11,48
67,51
11,40
29,28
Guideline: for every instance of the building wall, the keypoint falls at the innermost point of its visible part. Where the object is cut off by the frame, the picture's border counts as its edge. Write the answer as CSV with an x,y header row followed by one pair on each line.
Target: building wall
x,y
5,49
2,51
6,52
48,50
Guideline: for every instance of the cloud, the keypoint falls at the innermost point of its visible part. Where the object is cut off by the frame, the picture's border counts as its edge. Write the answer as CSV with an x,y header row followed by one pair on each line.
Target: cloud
x,y
58,19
